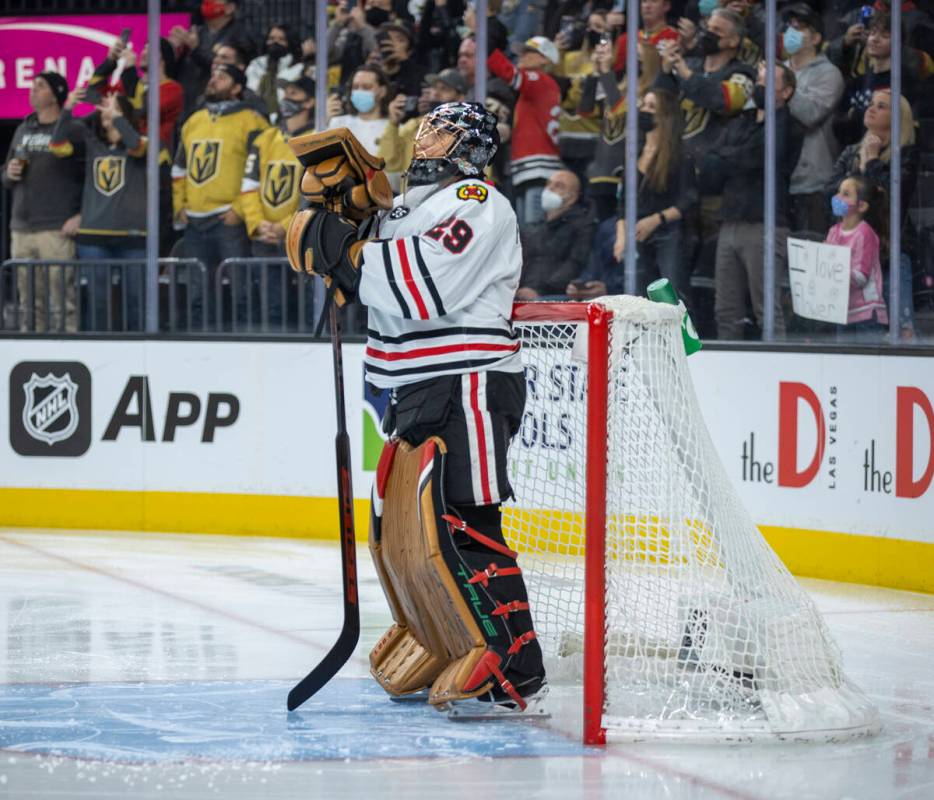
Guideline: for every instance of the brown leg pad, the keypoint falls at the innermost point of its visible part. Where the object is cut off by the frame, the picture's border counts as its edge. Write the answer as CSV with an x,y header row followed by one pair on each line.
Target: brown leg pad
x,y
400,664
436,639
449,684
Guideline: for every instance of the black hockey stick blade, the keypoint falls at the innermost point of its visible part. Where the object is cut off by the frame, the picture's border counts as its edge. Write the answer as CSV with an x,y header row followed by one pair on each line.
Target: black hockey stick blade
x,y
343,648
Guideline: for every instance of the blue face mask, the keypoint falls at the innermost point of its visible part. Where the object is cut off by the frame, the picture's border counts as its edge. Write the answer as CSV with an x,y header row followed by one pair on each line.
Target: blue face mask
x,y
793,40
363,100
706,7
839,206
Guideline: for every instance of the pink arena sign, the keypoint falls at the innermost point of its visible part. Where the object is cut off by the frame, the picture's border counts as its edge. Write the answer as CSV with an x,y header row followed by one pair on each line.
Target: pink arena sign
x,y
72,46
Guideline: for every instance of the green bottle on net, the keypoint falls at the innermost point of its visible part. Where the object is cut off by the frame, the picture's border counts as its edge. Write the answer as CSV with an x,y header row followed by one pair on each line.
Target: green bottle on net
x,y
661,291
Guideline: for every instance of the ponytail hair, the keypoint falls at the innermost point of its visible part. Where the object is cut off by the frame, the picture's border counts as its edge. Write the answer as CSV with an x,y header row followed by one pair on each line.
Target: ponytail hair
x,y
877,214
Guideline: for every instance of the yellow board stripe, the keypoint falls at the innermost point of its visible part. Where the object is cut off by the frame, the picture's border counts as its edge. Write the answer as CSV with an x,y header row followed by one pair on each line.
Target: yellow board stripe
x,y
873,560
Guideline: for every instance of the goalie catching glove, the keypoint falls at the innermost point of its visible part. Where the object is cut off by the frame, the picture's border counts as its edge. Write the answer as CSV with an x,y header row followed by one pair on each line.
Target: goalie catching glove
x,y
322,243
341,175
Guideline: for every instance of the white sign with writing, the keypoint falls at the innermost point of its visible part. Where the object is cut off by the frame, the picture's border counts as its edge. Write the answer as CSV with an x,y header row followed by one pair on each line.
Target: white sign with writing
x,y
820,280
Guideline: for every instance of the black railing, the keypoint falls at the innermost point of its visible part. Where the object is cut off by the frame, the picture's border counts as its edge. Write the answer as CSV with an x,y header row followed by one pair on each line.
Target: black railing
x,y
245,296
100,296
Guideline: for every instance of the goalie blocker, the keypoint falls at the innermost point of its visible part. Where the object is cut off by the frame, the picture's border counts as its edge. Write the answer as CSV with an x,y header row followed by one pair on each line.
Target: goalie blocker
x,y
463,626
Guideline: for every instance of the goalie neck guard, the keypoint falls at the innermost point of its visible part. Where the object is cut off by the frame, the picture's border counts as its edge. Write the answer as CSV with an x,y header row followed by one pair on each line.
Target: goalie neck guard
x,y
473,141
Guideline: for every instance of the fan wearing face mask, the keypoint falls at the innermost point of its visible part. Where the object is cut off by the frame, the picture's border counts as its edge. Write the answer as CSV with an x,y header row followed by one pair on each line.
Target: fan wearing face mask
x,y
714,87
818,92
367,115
555,250
270,192
281,61
352,35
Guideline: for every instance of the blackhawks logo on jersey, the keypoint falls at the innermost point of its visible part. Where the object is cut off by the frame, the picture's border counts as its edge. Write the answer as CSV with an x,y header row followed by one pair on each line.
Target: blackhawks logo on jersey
x,y
109,174
203,160
279,182
473,191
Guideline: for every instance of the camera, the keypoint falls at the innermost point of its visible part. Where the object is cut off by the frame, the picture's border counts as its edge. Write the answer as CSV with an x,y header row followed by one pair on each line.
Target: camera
x,y
865,15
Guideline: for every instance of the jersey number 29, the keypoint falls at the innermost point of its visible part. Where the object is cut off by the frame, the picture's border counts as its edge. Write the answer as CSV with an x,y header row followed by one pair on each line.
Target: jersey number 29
x,y
453,233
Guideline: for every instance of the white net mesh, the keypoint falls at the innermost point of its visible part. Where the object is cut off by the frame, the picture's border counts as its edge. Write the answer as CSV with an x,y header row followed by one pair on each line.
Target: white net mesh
x,y
707,633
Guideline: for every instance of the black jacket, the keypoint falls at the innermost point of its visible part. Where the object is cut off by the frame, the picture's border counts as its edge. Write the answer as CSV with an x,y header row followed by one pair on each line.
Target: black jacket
x,y
555,252
735,167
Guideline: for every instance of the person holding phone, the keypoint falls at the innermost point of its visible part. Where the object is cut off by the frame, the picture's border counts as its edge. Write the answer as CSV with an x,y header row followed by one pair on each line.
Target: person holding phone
x,y
395,41
113,204
578,133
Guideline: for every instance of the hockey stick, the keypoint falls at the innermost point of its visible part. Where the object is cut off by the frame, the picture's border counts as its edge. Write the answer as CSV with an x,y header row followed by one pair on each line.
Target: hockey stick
x,y
343,648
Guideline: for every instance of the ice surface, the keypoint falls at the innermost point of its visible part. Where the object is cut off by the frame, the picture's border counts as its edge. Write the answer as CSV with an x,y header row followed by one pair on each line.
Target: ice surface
x,y
157,666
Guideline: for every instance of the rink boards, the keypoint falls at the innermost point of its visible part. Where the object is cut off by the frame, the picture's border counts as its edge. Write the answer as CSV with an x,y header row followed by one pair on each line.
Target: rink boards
x,y
832,454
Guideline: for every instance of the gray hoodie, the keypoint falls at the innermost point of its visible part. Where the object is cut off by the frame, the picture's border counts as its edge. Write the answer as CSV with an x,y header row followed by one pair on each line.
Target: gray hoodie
x,y
820,87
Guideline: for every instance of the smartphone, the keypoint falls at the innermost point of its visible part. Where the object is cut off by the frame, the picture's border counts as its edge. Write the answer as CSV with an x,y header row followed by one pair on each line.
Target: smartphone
x,y
93,95
125,36
865,15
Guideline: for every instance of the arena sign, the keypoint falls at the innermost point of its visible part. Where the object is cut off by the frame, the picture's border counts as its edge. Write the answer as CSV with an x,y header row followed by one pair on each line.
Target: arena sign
x,y
69,45
833,455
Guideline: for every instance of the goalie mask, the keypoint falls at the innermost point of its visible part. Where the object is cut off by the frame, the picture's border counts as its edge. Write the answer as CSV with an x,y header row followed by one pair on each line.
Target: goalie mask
x,y
456,139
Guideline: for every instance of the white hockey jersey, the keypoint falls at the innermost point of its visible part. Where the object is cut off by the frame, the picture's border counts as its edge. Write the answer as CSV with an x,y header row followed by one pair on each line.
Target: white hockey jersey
x,y
439,281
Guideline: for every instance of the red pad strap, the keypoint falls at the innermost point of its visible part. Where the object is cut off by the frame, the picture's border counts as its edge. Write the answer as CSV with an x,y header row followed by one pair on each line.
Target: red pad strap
x,y
384,467
487,666
521,642
505,609
493,571
459,525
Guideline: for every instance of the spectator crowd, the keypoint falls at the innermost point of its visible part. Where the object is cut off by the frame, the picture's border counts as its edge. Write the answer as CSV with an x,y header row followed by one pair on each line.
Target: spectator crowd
x,y
230,99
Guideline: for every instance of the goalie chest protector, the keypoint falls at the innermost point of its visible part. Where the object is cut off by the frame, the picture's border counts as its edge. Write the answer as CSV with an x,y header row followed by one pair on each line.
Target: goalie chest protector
x,y
439,281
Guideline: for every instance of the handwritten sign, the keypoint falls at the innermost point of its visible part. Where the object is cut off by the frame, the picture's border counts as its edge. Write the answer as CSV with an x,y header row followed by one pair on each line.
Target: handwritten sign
x,y
820,280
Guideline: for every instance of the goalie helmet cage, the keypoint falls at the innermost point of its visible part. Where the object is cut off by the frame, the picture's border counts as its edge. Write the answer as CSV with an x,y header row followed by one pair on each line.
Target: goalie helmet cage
x,y
648,580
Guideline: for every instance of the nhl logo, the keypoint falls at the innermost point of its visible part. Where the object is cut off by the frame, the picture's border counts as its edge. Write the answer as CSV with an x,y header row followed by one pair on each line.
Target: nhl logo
x,y
50,409
50,413
398,212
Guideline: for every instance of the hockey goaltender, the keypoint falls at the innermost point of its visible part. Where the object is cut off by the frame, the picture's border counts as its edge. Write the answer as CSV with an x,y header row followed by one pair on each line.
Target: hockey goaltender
x,y
438,268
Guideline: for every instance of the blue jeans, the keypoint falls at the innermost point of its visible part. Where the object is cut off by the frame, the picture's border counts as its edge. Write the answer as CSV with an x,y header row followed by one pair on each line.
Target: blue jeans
x,y
869,331
211,241
100,283
906,311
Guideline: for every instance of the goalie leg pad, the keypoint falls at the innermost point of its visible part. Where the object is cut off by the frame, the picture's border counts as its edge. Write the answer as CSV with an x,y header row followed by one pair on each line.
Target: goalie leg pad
x,y
434,626
456,593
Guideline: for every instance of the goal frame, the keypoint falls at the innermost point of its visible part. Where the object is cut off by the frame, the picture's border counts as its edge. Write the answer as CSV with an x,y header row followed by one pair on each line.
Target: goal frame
x,y
598,319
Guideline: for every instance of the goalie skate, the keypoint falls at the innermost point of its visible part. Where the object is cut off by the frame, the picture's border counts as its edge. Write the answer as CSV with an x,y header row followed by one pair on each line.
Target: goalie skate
x,y
487,708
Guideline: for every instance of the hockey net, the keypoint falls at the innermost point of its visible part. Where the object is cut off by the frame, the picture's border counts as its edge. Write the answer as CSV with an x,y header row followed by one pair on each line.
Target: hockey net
x,y
648,580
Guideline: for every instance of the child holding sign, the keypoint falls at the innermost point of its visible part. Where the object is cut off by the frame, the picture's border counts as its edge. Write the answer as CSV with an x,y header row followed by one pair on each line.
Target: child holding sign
x,y
860,205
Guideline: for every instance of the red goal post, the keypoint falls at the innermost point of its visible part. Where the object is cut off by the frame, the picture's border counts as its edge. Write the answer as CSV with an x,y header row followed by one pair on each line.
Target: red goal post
x,y
598,319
